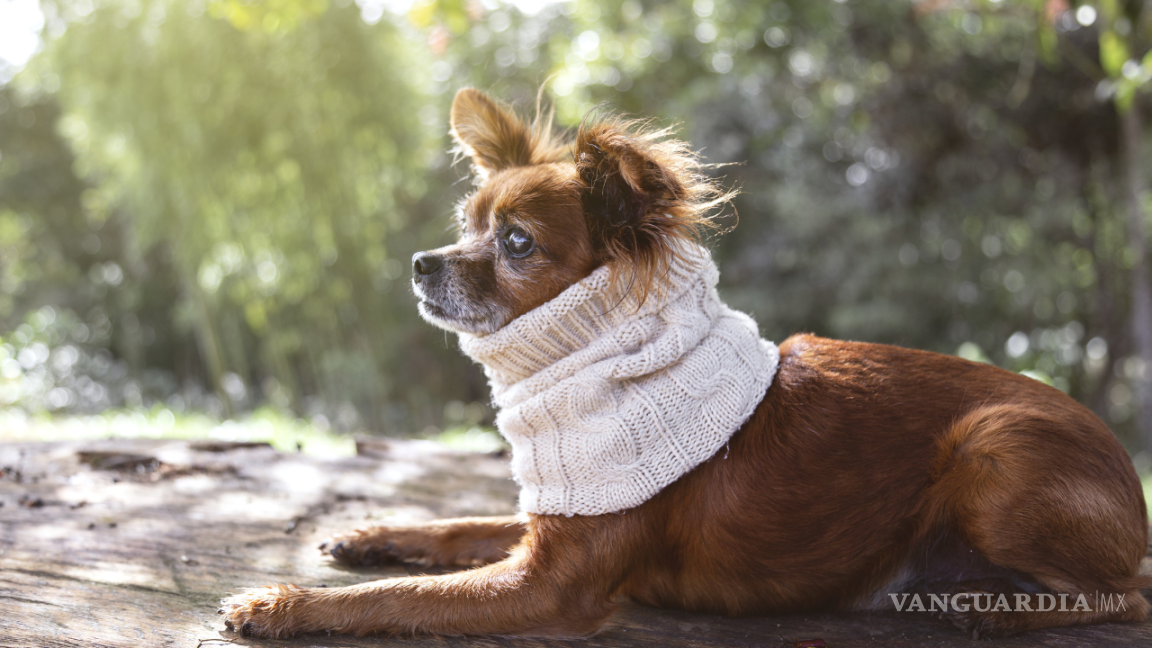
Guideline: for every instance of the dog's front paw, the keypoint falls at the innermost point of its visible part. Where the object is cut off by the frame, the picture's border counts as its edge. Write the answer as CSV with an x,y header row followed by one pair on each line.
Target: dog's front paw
x,y
455,543
362,549
267,612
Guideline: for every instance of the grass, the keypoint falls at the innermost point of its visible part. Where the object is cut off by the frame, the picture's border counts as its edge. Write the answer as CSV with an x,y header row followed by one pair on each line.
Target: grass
x,y
284,432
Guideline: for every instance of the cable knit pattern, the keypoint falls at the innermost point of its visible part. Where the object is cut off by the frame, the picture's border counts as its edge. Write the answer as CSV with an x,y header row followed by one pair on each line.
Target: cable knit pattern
x,y
604,404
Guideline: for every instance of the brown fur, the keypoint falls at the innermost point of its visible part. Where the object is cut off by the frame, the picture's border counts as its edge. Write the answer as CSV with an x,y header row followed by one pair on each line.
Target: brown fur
x,y
866,469
643,193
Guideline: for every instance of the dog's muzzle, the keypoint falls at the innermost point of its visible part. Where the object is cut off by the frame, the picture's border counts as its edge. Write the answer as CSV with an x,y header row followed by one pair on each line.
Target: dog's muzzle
x,y
425,265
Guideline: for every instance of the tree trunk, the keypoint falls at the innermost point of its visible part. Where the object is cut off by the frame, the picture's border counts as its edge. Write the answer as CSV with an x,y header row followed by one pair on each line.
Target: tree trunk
x,y
1132,146
1096,189
209,343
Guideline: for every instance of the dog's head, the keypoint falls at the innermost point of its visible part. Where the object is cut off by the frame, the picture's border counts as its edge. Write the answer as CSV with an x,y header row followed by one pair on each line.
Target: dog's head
x,y
547,211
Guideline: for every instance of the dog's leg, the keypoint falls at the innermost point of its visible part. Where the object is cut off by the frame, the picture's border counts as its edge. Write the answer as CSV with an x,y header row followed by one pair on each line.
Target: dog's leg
x,y
557,582
463,542
1050,495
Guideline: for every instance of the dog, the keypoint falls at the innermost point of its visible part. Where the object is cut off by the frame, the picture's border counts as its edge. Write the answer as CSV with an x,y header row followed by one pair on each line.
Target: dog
x,y
861,472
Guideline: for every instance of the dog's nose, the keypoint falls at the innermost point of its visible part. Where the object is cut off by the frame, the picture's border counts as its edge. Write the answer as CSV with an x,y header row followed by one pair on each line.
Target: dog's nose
x,y
425,263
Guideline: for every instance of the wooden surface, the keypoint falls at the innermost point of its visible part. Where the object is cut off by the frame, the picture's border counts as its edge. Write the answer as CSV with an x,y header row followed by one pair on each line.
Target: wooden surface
x,y
133,543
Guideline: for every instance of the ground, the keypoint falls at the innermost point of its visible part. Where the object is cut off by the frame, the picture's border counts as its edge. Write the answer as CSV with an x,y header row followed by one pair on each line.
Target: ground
x,y
134,542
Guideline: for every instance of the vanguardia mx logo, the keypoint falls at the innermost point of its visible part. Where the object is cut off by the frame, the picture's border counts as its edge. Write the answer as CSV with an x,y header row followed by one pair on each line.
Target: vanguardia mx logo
x,y
1018,602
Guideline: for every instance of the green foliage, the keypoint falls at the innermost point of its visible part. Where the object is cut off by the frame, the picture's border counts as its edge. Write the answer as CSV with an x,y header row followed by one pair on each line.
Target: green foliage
x,y
273,167
1113,53
938,175
270,16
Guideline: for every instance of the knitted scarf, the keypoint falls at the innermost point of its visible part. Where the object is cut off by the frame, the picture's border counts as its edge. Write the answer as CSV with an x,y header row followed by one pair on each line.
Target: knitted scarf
x,y
605,404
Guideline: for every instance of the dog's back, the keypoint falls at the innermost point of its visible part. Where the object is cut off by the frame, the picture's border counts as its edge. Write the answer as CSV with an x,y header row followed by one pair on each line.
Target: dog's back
x,y
871,469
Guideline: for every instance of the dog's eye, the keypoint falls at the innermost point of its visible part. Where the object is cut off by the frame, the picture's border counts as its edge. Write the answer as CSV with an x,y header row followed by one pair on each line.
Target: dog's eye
x,y
518,244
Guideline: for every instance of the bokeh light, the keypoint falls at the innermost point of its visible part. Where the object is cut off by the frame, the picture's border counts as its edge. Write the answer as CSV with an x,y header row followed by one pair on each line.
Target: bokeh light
x,y
209,207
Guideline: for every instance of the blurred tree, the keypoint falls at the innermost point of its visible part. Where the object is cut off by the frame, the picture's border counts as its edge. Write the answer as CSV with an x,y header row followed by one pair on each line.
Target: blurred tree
x,y
936,174
911,174
40,212
272,152
1126,58
1119,63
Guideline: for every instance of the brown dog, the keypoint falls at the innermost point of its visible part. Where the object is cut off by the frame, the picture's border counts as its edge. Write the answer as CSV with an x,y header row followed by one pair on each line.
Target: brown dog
x,y
865,471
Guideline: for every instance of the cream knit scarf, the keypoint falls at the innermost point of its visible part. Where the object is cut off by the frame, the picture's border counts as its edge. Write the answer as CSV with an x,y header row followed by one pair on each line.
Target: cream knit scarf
x,y
605,405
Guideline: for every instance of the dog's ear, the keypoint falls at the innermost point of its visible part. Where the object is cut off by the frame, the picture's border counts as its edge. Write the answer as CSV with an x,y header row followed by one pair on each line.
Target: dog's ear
x,y
622,179
643,195
493,137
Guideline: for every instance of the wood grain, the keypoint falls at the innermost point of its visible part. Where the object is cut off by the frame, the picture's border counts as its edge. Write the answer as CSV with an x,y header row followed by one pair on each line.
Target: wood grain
x,y
133,543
